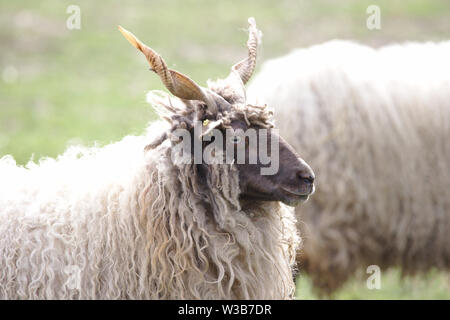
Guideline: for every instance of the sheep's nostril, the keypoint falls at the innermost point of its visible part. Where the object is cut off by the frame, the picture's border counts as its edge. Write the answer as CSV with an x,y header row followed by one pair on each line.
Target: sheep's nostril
x,y
306,176
310,179
305,173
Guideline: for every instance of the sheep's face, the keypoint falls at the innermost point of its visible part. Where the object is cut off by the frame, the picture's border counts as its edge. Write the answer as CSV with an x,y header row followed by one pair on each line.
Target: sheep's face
x,y
223,128
292,180
268,167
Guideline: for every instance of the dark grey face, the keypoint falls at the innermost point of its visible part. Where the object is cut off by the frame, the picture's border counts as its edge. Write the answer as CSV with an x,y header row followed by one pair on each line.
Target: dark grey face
x,y
291,184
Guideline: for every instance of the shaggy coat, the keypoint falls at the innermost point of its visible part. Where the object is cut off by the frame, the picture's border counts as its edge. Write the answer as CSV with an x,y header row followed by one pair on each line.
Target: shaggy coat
x,y
135,220
120,223
375,124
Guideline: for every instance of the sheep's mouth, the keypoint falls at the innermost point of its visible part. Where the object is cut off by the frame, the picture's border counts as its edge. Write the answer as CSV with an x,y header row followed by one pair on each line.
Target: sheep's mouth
x,y
293,198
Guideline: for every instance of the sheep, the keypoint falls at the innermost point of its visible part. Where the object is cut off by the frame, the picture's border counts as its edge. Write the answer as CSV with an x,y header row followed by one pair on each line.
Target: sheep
x,y
135,220
375,124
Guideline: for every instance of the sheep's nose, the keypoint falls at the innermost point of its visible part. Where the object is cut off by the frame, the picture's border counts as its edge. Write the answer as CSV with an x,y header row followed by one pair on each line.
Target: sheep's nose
x,y
305,173
306,176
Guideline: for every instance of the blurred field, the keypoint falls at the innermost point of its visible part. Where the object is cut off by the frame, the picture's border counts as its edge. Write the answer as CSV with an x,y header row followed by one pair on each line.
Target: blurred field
x,y
434,285
61,86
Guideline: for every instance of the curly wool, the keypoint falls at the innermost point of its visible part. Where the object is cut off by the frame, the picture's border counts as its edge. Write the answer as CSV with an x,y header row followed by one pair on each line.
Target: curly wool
x,y
374,124
120,223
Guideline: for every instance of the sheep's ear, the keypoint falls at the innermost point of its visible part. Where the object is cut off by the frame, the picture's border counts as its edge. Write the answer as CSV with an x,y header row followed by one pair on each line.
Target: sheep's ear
x,y
208,126
177,83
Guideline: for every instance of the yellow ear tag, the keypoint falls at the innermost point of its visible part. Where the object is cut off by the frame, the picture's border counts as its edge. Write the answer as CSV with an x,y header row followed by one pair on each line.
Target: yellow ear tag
x,y
205,122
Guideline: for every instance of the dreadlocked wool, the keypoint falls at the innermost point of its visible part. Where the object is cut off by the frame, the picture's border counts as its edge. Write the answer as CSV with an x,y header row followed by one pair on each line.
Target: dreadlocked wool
x,y
119,223
375,125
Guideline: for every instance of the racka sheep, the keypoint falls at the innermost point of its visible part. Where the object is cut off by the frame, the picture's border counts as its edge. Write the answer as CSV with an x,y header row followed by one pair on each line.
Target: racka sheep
x,y
135,220
376,125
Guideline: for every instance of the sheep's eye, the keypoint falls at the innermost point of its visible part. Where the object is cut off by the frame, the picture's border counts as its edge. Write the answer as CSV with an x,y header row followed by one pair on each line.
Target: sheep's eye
x,y
235,139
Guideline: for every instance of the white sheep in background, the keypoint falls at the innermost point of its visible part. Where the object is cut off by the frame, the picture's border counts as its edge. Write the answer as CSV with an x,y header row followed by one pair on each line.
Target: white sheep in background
x,y
375,125
119,222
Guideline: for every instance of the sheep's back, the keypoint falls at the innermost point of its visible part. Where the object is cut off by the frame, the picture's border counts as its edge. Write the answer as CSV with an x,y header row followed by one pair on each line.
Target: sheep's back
x,y
373,125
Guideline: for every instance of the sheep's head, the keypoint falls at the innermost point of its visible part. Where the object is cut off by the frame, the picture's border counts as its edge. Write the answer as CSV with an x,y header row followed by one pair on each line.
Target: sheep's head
x,y
222,128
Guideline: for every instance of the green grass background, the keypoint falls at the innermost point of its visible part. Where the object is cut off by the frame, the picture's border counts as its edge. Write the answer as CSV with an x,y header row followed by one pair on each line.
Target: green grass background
x,y
60,86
